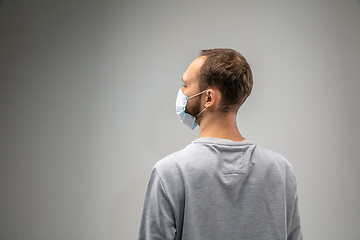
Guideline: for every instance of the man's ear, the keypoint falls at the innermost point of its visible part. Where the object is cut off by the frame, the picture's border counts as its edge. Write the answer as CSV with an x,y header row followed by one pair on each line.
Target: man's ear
x,y
210,98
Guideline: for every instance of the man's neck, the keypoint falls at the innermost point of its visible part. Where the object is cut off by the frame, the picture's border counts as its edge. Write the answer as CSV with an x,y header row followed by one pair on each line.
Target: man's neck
x,y
221,127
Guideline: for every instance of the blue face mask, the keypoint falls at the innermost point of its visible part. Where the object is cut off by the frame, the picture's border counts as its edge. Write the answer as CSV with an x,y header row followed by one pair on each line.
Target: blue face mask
x,y
186,118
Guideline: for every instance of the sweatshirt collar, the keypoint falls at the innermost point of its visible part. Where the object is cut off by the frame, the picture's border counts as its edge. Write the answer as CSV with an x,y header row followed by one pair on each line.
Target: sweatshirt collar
x,y
223,141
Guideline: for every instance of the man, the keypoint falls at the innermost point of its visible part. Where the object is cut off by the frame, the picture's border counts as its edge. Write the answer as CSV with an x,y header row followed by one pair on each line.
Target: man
x,y
221,186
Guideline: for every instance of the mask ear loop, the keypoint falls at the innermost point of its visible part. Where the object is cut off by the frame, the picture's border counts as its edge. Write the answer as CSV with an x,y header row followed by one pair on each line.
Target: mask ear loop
x,y
201,111
197,94
204,107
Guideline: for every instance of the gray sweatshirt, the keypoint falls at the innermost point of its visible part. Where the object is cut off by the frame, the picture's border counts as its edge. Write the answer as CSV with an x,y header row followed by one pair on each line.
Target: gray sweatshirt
x,y
221,189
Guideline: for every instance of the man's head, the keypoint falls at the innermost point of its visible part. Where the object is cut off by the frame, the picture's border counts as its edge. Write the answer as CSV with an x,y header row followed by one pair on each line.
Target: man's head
x,y
227,71
218,81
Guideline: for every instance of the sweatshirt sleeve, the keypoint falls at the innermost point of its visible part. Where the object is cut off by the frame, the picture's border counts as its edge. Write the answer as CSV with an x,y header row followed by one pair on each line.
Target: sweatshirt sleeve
x,y
157,218
294,230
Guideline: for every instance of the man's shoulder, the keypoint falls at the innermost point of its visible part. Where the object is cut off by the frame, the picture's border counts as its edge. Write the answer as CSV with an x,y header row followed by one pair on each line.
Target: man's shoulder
x,y
174,159
271,159
268,154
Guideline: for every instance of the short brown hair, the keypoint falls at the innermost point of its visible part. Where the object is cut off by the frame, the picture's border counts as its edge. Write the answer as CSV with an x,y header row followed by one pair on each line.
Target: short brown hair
x,y
229,72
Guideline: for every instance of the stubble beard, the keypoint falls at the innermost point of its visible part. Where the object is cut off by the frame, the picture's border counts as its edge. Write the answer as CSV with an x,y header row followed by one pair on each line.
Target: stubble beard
x,y
193,109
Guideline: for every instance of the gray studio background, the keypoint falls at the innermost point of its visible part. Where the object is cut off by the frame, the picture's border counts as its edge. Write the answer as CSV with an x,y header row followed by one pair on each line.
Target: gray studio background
x,y
88,93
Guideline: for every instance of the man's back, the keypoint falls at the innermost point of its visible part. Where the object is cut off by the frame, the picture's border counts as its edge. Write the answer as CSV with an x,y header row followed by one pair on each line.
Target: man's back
x,y
221,189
